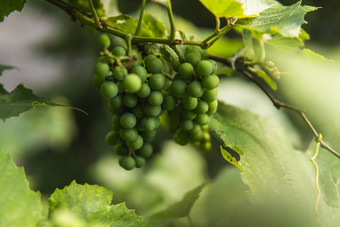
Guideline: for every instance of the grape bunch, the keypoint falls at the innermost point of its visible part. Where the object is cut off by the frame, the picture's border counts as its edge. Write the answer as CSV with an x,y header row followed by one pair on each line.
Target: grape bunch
x,y
139,92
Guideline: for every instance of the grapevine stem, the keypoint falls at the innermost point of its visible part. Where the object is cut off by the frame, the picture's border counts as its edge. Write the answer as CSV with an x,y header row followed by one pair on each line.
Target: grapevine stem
x,y
128,44
278,104
317,200
140,20
218,23
172,23
95,15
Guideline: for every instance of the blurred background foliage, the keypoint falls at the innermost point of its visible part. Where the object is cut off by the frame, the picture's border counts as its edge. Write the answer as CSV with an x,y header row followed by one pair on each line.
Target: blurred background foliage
x,y
58,145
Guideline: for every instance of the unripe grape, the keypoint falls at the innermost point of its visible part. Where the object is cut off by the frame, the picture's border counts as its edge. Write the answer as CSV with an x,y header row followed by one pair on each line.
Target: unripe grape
x,y
197,129
101,69
205,68
205,146
127,163
97,81
202,119
169,102
153,64
128,120
152,111
157,81
181,138
146,150
115,121
112,137
104,41
195,89
202,107
193,57
214,64
121,150
119,73
187,125
140,162
212,107
189,114
136,144
178,88
144,91
210,82
116,103
130,100
210,95
155,98
148,136
119,51
109,89
128,134
189,103
132,83
185,70
149,123
140,71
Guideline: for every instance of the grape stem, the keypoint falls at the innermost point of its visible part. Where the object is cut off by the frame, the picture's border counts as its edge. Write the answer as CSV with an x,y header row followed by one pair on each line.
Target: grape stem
x,y
95,15
277,103
140,20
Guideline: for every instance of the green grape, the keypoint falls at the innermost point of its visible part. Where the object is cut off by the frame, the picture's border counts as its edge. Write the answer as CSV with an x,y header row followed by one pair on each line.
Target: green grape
x,y
214,64
210,82
210,95
195,89
148,123
202,107
153,64
189,103
140,162
169,102
178,88
212,107
202,119
187,125
193,57
158,122
106,59
112,138
196,133
205,146
138,111
132,83
97,81
116,103
155,98
148,136
101,69
127,163
115,121
136,63
128,134
104,41
152,111
157,81
141,72
205,68
185,70
109,89
144,91
121,150
146,150
136,144
128,120
119,51
130,100
119,73
181,138
189,114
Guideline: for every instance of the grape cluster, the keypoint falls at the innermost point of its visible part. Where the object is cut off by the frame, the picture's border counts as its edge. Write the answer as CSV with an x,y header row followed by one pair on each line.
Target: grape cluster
x,y
139,93
135,97
192,99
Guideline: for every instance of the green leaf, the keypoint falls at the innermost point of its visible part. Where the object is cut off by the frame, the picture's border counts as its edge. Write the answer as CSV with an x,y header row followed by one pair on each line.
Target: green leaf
x,y
181,208
155,25
263,75
110,7
6,67
128,24
285,20
19,205
309,54
284,44
85,6
225,48
9,6
92,203
19,100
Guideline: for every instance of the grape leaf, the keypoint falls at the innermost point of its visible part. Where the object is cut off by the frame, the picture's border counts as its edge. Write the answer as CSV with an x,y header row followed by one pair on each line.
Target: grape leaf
x,y
9,6
284,44
128,24
285,20
110,7
92,203
6,67
155,25
19,205
181,208
85,6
